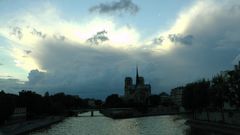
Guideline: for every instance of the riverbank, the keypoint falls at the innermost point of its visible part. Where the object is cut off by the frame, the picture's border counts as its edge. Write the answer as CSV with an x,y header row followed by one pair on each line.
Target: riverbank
x,y
199,127
28,126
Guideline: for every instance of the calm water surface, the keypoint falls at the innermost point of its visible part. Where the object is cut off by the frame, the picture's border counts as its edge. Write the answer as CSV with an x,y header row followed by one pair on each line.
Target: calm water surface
x,y
100,125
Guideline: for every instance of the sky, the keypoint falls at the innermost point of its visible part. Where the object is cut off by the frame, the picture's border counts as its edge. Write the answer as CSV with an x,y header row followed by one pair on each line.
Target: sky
x,y
88,47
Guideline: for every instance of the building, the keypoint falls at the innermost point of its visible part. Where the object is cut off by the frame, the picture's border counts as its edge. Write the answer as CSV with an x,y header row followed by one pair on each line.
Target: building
x,y
91,103
164,97
138,92
19,115
227,75
176,96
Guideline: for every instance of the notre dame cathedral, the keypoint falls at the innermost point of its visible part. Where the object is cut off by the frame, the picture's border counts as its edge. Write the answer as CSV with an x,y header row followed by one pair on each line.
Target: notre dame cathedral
x,y
138,92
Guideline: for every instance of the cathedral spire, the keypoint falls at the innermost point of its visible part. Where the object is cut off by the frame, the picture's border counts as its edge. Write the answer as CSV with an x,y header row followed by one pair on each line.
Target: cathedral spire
x,y
137,77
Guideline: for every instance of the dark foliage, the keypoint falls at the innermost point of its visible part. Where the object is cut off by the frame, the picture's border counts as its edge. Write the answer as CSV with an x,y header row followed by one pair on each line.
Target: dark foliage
x,y
38,105
154,100
113,101
195,95
223,88
6,105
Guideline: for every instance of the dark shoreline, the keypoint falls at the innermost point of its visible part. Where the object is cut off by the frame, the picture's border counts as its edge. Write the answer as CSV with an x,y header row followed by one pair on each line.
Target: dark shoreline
x,y
22,128
29,126
201,127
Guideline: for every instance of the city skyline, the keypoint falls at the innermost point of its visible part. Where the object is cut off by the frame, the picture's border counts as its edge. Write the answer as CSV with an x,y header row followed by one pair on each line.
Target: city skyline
x,y
88,48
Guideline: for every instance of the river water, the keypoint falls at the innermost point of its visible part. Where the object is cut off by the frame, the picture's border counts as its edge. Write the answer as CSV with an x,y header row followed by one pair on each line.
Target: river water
x,y
100,125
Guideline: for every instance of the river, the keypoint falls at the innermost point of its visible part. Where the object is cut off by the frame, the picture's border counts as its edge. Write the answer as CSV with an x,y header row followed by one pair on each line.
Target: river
x,y
101,125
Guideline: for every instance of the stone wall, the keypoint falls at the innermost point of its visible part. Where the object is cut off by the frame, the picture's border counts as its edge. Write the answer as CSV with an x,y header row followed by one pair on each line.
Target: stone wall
x,y
230,117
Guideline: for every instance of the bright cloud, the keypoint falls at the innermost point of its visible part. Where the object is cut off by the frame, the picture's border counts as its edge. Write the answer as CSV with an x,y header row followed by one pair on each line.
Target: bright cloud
x,y
29,32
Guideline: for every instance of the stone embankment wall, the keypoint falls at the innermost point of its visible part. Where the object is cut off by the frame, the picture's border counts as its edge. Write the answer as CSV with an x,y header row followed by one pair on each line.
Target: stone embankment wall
x,y
230,117
28,126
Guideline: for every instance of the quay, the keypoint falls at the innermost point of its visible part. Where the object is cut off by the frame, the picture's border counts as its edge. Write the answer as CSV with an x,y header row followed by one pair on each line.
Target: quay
x,y
28,126
200,127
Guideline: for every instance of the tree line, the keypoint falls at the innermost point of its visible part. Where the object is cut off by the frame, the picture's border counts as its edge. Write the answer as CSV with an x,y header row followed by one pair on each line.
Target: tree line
x,y
38,105
115,101
204,95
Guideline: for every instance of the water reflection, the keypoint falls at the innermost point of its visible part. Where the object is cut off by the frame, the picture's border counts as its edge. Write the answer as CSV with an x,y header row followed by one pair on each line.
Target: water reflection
x,y
100,125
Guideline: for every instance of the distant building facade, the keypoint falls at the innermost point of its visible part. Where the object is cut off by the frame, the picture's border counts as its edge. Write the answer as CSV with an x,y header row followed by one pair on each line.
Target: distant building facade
x,y
176,96
164,97
91,103
19,115
138,92
226,76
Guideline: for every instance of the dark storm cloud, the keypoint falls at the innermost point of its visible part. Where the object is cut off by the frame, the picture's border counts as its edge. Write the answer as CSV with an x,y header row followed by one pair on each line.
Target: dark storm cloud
x,y
59,37
35,77
175,38
74,68
116,7
157,41
38,33
178,38
16,31
27,51
98,38
98,72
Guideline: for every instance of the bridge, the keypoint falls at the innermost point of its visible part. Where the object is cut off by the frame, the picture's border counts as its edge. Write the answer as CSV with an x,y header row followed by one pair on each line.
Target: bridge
x,y
79,111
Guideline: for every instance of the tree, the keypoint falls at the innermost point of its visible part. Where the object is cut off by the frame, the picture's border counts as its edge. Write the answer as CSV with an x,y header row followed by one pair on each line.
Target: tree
x,y
113,101
98,103
32,101
195,96
154,100
165,99
221,88
234,90
7,106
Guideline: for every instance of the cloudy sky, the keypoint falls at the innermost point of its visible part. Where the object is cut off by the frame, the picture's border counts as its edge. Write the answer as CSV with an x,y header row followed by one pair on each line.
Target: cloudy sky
x,y
89,47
